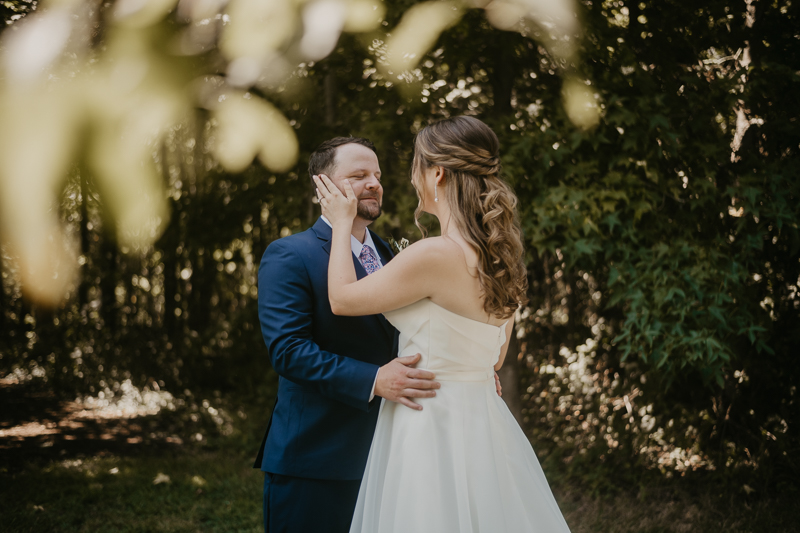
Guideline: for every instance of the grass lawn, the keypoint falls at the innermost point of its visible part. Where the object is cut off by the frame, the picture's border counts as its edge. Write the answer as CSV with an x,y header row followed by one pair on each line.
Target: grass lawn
x,y
215,490
202,491
63,469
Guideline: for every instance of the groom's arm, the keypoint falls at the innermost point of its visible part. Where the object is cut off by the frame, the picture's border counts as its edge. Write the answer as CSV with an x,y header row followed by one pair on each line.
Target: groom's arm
x,y
285,307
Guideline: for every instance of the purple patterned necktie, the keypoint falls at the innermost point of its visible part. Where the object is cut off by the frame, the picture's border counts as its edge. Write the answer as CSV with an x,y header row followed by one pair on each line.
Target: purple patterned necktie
x,y
368,260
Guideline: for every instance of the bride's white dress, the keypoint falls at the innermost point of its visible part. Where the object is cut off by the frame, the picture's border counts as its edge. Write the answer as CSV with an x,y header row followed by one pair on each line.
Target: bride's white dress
x,y
462,464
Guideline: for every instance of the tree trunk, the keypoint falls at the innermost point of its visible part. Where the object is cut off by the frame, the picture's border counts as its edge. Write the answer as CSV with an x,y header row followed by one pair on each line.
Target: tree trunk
x,y
311,207
168,246
502,76
330,98
85,283
4,307
574,312
509,378
108,282
200,297
131,265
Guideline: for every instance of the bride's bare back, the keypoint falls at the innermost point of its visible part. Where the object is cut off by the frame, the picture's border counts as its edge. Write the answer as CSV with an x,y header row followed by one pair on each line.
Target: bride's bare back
x,y
458,288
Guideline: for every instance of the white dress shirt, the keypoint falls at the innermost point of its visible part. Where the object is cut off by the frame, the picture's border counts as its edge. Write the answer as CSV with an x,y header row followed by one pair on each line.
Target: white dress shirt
x,y
356,247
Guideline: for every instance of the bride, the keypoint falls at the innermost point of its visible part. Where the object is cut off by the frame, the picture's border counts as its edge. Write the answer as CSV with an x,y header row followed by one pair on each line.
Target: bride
x,y
457,462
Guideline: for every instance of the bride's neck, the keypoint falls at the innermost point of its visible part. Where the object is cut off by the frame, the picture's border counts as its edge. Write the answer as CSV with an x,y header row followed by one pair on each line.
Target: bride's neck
x,y
446,222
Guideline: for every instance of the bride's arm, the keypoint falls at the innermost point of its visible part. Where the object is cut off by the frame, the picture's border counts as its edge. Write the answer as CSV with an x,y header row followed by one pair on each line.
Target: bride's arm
x,y
504,349
409,277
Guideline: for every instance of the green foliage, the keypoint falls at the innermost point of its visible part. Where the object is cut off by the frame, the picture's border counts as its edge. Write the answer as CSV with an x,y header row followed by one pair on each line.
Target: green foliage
x,y
683,249
662,245
651,201
13,10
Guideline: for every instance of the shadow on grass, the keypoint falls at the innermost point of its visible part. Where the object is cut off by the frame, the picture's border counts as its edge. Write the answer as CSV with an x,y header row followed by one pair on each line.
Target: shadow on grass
x,y
64,468
36,427
172,490
679,509
67,468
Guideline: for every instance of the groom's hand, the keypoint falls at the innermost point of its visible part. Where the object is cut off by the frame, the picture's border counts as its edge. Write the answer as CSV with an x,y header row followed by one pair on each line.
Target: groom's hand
x,y
398,382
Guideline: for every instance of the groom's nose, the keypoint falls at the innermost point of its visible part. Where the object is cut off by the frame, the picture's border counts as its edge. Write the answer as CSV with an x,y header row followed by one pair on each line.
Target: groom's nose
x,y
373,183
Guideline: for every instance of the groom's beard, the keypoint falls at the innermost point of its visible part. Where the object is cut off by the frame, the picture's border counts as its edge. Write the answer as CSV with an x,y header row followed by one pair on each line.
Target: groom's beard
x,y
369,210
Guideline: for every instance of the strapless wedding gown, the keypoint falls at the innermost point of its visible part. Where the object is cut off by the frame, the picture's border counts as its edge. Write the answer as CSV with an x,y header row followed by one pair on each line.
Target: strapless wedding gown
x,y
462,464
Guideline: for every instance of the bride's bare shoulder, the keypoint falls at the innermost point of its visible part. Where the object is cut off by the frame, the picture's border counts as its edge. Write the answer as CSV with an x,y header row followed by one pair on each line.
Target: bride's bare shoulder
x,y
432,247
432,252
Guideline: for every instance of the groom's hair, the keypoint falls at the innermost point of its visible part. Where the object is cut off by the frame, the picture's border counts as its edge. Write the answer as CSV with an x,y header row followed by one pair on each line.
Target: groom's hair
x,y
323,159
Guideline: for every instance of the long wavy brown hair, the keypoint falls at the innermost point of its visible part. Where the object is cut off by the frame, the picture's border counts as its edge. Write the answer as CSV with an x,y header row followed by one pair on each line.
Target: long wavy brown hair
x,y
482,205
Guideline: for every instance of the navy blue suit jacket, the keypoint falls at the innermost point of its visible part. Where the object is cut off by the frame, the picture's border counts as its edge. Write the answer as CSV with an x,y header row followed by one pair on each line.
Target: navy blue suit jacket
x,y
322,423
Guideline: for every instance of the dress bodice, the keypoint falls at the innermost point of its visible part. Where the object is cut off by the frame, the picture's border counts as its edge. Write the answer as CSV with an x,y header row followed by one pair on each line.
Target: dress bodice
x,y
452,346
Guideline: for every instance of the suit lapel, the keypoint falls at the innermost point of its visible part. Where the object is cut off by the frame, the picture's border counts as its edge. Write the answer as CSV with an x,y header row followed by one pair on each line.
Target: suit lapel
x,y
386,255
324,234
360,272
384,250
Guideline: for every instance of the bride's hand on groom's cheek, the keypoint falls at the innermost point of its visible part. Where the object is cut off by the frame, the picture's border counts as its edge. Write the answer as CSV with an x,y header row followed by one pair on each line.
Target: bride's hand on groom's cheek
x,y
337,206
399,382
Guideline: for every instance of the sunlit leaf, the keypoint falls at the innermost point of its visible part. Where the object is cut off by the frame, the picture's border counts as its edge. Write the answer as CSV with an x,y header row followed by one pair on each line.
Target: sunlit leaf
x,y
580,104
418,31
506,15
323,21
247,127
36,43
258,28
141,13
197,10
556,17
133,105
161,478
364,15
36,143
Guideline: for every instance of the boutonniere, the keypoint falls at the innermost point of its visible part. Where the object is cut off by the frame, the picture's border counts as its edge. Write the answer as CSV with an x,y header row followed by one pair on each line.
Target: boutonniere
x,y
400,246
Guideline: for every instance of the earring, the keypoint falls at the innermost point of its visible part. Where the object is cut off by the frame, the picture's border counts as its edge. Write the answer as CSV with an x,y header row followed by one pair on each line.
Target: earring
x,y
435,192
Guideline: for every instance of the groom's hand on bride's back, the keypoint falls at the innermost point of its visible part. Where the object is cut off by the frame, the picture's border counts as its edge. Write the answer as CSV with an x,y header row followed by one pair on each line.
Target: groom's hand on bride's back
x,y
398,381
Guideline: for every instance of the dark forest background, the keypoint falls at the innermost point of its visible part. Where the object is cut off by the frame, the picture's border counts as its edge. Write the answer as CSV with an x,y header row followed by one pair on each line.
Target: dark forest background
x,y
663,330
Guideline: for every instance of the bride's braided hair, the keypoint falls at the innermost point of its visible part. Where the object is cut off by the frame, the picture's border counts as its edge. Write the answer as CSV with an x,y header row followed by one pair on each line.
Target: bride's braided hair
x,y
483,206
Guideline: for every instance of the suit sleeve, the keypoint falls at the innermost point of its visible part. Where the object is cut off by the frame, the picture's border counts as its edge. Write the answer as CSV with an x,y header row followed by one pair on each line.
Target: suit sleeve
x,y
285,307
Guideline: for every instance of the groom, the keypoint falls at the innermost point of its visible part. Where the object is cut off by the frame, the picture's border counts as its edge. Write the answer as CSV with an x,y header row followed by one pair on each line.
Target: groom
x,y
333,369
